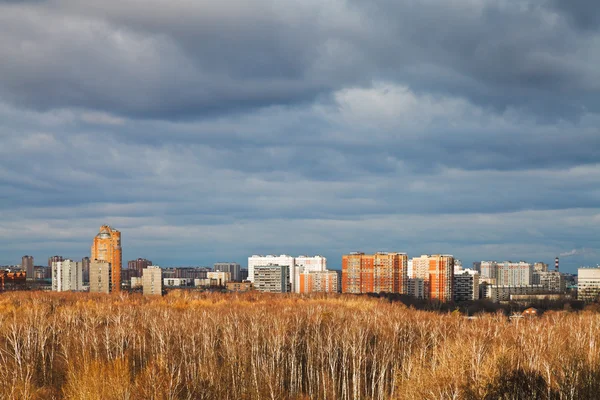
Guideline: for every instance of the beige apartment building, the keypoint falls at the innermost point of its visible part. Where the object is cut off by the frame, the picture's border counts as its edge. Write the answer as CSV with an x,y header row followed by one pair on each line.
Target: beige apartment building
x,y
100,277
152,281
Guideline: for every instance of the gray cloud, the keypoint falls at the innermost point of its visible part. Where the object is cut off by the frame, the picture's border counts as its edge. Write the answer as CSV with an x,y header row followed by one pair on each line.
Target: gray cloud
x,y
208,131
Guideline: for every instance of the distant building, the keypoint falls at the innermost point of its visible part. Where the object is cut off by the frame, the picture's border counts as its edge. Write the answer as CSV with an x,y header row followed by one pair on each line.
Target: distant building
x,y
374,273
318,282
304,263
416,288
514,274
107,247
136,267
466,285
497,293
218,278
54,259
152,281
553,281
239,286
85,267
101,280
588,284
178,282
488,270
189,273
136,282
231,267
540,267
441,277
27,266
271,278
243,274
12,280
67,276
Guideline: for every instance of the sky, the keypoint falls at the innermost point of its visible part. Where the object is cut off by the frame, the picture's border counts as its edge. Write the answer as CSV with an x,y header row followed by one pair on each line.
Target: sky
x,y
209,131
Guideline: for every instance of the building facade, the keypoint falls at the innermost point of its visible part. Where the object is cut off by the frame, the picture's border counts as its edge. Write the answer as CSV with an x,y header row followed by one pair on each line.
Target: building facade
x,y
85,267
374,273
54,259
136,267
488,270
271,278
27,266
441,277
152,281
218,278
101,280
466,285
514,274
231,267
498,293
318,282
67,276
588,284
107,247
239,286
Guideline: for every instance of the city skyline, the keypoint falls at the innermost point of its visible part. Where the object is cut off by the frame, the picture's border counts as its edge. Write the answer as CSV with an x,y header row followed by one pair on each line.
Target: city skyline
x,y
211,131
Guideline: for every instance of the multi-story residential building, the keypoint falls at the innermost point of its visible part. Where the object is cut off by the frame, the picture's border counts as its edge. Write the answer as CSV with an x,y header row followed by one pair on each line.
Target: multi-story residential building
x,y
441,277
101,280
85,267
540,267
271,278
259,260
553,281
54,259
588,284
239,286
67,276
218,278
488,270
303,263
231,267
136,267
244,274
466,285
186,273
498,293
107,247
420,267
152,280
27,266
318,281
514,274
416,288
374,273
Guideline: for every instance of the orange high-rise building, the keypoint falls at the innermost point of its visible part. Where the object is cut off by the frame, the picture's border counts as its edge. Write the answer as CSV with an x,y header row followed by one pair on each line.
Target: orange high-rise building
x,y
374,273
318,282
107,247
441,277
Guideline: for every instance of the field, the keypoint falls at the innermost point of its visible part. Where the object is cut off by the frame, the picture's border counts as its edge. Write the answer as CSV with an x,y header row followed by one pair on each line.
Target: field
x,y
251,346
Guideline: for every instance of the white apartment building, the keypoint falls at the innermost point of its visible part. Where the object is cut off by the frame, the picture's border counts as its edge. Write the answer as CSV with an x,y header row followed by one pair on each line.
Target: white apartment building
x,y
152,281
420,267
489,270
304,263
588,283
271,278
514,274
67,276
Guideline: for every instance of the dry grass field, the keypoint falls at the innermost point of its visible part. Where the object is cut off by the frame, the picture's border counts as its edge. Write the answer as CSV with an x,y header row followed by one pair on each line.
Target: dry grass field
x,y
252,346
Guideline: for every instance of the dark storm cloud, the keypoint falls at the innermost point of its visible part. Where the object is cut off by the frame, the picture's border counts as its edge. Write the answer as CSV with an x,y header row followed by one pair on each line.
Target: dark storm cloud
x,y
191,59
584,14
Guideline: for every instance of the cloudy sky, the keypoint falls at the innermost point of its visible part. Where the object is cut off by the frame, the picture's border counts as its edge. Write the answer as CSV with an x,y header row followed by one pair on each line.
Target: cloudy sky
x,y
212,130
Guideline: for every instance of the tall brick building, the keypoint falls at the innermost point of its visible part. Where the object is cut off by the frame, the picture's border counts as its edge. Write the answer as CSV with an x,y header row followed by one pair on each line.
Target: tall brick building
x,y
374,273
107,247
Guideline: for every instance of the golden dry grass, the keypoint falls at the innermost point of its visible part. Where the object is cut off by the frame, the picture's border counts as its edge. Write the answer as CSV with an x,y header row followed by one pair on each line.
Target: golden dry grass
x,y
251,346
